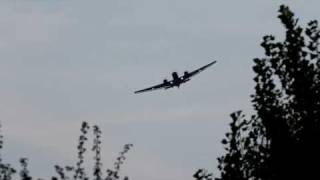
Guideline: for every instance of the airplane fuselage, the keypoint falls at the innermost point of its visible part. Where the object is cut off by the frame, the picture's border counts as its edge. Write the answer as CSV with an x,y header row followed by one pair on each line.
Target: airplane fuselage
x,y
176,79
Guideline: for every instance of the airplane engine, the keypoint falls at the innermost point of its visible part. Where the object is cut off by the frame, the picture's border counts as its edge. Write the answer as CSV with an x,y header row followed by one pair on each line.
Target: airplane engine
x,y
186,73
165,81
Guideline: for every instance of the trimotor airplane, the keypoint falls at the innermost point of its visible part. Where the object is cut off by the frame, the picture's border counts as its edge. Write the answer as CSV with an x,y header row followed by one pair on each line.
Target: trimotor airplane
x,y
176,80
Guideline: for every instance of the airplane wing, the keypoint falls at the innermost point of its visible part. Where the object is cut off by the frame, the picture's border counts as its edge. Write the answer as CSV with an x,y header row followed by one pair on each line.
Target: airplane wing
x,y
165,85
190,74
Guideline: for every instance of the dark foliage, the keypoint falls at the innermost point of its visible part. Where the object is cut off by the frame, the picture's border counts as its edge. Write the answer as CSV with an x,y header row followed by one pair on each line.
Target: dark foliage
x,y
24,173
202,174
6,171
282,141
97,173
78,171
247,149
114,174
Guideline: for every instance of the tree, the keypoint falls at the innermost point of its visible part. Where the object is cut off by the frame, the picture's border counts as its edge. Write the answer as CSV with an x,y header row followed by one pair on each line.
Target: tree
x,y
282,140
78,171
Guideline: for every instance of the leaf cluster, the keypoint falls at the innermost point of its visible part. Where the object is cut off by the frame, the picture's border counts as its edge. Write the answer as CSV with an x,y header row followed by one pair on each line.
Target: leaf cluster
x,y
282,140
78,171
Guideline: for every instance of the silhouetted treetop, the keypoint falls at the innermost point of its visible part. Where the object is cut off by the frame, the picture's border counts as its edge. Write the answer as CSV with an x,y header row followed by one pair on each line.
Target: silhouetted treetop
x,y
78,171
282,140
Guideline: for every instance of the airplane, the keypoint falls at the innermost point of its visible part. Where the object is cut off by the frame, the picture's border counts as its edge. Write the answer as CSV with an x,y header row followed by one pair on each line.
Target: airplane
x,y
176,79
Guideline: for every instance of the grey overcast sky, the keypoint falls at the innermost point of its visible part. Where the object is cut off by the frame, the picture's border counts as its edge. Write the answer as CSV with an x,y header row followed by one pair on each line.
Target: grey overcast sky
x,y
67,61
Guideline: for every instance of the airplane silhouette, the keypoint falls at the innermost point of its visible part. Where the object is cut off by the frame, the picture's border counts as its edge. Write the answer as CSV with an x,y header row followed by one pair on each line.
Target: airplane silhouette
x,y
176,80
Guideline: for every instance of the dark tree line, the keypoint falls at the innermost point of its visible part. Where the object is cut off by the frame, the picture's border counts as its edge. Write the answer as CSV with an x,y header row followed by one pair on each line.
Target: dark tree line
x,y
282,140
70,172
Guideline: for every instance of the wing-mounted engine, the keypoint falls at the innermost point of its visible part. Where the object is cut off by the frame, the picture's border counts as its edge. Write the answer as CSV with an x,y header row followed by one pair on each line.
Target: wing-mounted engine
x,y
166,84
186,76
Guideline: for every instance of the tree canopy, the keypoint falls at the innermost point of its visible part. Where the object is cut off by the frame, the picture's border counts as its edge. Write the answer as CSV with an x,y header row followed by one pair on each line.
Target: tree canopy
x,y
282,139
